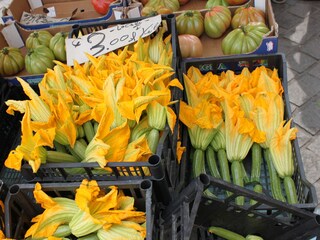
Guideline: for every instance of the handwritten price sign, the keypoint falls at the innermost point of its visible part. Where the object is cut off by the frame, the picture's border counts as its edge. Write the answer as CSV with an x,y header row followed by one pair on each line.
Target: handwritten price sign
x,y
107,40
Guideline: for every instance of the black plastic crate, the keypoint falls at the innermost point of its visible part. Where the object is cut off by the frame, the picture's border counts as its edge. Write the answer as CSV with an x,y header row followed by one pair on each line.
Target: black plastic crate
x,y
20,205
192,213
3,194
165,168
306,192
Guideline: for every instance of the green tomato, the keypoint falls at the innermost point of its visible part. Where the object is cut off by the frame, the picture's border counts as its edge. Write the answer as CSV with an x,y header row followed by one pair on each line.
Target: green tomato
x,y
58,46
190,22
39,59
41,37
213,3
216,21
245,39
11,61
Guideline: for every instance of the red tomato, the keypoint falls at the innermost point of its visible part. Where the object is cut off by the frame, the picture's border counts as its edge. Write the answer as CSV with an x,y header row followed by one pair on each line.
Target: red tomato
x,y
101,6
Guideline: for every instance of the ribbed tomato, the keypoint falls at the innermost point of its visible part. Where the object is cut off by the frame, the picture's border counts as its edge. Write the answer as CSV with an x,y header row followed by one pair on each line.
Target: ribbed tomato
x,y
39,59
213,3
174,5
216,21
41,37
190,46
58,46
11,61
244,15
190,22
245,39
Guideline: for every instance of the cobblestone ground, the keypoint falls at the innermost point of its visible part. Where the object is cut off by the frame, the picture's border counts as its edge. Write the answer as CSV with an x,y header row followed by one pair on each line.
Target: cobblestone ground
x,y
299,40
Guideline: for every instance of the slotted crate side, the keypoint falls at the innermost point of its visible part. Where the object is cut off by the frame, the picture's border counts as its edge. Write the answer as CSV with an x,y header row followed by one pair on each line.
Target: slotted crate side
x,y
305,190
190,216
20,206
3,194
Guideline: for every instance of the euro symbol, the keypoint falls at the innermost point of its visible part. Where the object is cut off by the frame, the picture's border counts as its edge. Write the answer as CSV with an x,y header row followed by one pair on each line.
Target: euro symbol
x,y
76,43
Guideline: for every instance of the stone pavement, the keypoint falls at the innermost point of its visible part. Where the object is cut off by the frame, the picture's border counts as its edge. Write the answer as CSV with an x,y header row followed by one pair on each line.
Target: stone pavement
x,y
299,40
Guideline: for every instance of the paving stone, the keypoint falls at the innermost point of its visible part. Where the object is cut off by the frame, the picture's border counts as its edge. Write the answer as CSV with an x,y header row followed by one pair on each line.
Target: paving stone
x,y
291,74
302,89
311,165
279,9
303,137
315,69
286,46
304,30
299,61
287,20
311,47
308,116
303,9
293,107
314,145
300,33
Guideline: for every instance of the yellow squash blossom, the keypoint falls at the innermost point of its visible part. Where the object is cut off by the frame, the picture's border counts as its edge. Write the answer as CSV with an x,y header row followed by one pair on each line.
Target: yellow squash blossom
x,y
97,211
268,114
32,145
57,211
281,149
40,111
282,159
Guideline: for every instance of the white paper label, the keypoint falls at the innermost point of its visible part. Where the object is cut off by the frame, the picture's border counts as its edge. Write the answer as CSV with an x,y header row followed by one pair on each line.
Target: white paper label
x,y
260,5
33,19
12,36
51,12
35,3
107,40
134,12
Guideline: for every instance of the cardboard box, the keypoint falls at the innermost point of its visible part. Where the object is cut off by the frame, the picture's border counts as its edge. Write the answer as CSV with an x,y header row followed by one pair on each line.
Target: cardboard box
x,y
212,47
68,11
6,38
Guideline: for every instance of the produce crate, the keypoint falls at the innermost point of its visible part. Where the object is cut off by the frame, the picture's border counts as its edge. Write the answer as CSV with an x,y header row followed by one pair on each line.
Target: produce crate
x,y
20,206
3,193
79,11
167,144
192,213
288,217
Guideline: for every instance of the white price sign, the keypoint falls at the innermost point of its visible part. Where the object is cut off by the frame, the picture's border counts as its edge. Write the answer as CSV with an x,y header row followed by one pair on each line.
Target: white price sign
x,y
107,40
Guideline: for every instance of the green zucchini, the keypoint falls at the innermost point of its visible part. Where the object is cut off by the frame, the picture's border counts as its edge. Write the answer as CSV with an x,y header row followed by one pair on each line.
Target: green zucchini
x,y
212,162
224,165
290,189
245,176
256,156
153,140
237,178
198,167
198,163
258,189
59,147
275,182
226,234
